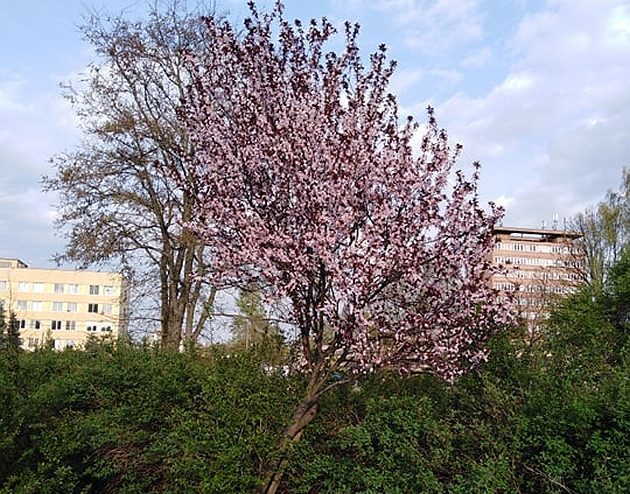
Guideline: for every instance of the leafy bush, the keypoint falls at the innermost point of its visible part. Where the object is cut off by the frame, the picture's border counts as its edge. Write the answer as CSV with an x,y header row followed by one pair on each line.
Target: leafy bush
x,y
133,419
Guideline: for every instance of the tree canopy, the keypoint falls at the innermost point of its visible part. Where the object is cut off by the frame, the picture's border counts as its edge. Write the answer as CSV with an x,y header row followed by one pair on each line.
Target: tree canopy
x,y
305,182
605,231
116,204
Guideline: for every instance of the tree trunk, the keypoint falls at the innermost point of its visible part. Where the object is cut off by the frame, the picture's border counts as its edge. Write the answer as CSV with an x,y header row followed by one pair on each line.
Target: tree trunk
x,y
303,415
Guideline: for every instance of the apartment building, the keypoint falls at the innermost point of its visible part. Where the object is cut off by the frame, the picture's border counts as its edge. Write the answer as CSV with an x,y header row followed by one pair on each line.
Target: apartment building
x,y
539,266
63,308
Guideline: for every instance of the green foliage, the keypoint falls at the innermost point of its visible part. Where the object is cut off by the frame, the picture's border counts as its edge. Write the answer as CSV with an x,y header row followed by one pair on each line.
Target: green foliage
x,y
137,420
550,419
9,332
251,327
3,326
605,231
134,419
616,299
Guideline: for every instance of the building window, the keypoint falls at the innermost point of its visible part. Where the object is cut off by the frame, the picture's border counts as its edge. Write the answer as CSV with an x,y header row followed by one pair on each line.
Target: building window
x,y
61,344
56,325
74,289
71,306
92,326
33,342
93,308
38,287
93,289
71,325
57,306
108,290
107,309
3,285
37,305
59,288
35,324
106,328
21,305
23,286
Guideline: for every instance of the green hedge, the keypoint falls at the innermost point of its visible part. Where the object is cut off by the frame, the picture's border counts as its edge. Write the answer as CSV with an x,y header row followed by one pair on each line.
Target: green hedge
x,y
552,418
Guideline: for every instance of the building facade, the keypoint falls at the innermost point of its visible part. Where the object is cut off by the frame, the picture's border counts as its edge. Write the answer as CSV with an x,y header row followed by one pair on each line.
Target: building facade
x,y
539,265
63,308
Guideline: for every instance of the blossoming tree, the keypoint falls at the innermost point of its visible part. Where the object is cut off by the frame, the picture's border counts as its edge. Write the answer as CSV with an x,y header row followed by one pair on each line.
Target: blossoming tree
x,y
307,183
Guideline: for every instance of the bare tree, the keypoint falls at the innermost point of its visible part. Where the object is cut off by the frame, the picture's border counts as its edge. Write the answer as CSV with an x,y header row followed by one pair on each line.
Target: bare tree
x,y
118,203
605,232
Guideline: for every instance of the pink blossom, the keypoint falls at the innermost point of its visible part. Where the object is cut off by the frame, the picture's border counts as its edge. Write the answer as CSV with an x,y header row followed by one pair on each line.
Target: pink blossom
x,y
307,184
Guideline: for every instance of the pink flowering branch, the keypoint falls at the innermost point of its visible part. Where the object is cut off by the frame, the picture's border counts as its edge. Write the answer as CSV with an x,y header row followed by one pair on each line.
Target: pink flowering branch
x,y
307,183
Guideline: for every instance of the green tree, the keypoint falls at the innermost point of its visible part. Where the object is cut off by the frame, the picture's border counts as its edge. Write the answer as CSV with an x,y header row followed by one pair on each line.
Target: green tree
x,y
9,332
252,326
605,231
617,294
3,327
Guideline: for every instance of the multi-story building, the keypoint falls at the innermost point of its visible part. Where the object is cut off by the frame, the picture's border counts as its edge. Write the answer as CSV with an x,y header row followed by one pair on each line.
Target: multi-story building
x,y
539,266
63,308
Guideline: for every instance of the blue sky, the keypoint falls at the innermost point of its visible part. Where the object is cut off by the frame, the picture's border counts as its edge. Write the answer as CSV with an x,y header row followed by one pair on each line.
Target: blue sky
x,y
537,91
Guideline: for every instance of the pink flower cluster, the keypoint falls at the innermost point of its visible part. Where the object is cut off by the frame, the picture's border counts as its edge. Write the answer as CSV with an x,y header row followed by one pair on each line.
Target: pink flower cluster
x,y
306,182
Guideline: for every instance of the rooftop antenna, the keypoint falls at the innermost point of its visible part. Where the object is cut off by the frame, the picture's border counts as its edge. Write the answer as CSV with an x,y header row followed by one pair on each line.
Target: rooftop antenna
x,y
555,221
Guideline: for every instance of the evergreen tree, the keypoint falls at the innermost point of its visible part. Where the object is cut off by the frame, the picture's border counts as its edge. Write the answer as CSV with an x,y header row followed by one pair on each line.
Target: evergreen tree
x,y
252,327
3,329
13,340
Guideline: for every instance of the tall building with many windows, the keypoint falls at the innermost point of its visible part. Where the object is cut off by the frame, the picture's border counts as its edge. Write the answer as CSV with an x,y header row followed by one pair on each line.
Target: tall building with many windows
x,y
540,265
63,308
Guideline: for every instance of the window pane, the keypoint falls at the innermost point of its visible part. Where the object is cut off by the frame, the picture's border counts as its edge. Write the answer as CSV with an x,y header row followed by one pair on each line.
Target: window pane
x,y
61,344
59,287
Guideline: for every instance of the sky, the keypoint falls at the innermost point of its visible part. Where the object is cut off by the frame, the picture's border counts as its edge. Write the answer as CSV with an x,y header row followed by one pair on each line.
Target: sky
x,y
538,91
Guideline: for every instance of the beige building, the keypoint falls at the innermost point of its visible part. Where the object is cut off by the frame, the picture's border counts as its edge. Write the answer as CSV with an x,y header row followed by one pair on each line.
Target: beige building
x,y
63,308
540,265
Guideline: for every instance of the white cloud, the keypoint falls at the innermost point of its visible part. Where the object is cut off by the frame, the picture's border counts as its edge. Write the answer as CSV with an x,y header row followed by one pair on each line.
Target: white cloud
x,y
434,25
503,201
552,133
447,76
35,123
11,85
618,27
478,58
402,80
